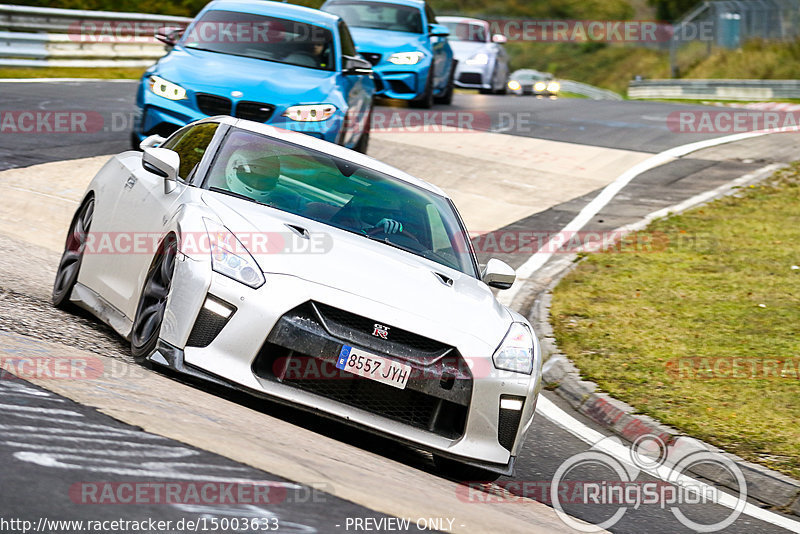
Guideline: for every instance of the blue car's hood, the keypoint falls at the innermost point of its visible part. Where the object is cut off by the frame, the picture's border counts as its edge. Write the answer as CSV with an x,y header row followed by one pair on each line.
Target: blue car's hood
x,y
262,81
385,41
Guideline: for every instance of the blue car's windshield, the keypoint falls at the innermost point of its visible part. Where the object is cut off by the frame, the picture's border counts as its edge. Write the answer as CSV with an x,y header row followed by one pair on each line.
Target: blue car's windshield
x,y
378,16
466,31
260,37
342,194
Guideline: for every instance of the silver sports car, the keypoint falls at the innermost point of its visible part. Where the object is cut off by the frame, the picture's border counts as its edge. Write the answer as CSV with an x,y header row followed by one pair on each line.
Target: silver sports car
x,y
482,59
296,269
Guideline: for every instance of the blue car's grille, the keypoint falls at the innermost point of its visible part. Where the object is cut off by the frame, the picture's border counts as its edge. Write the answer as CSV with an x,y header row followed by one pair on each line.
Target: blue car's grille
x,y
213,104
254,111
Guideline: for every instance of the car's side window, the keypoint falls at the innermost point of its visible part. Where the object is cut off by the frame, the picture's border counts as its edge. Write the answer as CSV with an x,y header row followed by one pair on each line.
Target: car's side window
x,y
348,46
191,146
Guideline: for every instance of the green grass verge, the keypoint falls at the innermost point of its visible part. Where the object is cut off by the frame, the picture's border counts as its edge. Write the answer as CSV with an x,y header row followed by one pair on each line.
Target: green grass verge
x,y
70,72
716,283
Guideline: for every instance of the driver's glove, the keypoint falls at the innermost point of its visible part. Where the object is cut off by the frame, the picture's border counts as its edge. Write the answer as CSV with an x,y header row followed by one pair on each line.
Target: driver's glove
x,y
390,226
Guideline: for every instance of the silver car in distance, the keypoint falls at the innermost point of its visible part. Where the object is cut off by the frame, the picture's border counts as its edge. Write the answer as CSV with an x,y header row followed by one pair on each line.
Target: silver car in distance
x,y
298,270
482,58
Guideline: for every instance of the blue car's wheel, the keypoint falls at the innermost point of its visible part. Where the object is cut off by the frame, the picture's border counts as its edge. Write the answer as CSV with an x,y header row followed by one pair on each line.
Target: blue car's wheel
x,y
426,100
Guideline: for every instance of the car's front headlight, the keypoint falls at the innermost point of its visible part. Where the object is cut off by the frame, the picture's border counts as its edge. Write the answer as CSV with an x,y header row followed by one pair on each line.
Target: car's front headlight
x,y
539,86
479,59
167,89
514,85
310,112
230,258
406,58
516,352
554,87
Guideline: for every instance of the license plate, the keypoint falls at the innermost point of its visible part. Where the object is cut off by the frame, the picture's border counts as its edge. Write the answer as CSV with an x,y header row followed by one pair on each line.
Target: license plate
x,y
374,367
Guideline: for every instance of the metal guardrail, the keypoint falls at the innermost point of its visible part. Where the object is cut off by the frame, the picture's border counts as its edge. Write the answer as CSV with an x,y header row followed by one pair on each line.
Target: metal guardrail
x,y
590,91
51,37
715,89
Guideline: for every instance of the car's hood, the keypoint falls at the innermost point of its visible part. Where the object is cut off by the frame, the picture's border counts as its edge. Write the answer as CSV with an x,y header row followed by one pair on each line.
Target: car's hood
x,y
261,81
360,266
463,50
387,42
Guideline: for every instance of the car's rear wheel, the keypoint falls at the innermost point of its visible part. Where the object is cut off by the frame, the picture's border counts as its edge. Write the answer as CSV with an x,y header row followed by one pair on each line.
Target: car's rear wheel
x,y
153,300
71,259
455,470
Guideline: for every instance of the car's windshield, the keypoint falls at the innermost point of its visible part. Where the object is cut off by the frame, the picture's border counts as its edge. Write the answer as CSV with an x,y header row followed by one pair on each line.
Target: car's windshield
x,y
378,15
260,37
528,76
466,31
340,193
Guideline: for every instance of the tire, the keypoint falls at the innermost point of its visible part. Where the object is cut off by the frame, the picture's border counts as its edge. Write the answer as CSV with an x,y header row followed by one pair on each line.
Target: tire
x,y
153,300
447,97
426,100
457,471
70,264
363,141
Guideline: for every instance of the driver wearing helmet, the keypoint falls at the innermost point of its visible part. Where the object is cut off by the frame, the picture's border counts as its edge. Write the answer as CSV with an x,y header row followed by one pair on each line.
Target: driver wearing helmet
x,y
257,178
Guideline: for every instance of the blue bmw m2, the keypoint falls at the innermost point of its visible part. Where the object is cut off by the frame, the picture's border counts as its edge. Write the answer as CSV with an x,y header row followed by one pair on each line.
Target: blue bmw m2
x,y
281,64
408,49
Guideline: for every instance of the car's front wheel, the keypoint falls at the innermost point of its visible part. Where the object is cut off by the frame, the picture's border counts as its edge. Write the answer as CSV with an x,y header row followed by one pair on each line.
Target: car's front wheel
x,y
71,259
153,300
363,141
455,470
426,100
447,96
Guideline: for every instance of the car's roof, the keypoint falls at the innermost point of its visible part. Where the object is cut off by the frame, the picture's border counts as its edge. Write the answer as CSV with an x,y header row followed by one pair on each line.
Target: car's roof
x,y
319,145
277,9
462,19
415,3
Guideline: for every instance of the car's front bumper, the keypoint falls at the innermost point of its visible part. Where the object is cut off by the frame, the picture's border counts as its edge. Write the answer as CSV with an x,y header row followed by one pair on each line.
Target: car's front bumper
x,y
473,76
401,82
159,115
258,334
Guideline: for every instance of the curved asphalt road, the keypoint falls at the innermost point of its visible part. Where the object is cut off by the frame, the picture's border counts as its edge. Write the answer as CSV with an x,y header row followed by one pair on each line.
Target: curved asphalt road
x,y
628,125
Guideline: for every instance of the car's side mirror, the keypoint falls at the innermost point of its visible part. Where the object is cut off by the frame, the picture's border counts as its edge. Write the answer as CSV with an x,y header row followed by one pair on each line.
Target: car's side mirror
x,y
354,65
498,274
438,30
152,141
169,35
162,162
499,38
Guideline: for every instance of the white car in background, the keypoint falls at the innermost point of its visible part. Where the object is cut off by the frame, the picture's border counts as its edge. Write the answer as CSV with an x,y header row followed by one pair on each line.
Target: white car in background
x,y
533,82
293,268
482,58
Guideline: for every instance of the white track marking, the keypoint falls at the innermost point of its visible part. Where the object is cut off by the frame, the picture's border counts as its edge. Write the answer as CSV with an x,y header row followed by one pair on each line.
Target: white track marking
x,y
537,260
621,452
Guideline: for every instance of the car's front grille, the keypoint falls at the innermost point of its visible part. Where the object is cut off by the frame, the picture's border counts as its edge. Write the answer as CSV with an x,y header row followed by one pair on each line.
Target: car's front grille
x,y
213,104
372,57
254,111
472,78
302,352
402,405
361,331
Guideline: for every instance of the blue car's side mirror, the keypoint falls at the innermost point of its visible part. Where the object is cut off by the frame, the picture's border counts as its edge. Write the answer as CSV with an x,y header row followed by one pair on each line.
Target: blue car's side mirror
x,y
438,30
356,65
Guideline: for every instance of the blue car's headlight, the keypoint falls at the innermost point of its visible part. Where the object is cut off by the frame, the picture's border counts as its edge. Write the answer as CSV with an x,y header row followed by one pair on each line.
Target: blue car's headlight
x,y
230,258
516,351
479,59
167,89
310,112
406,58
